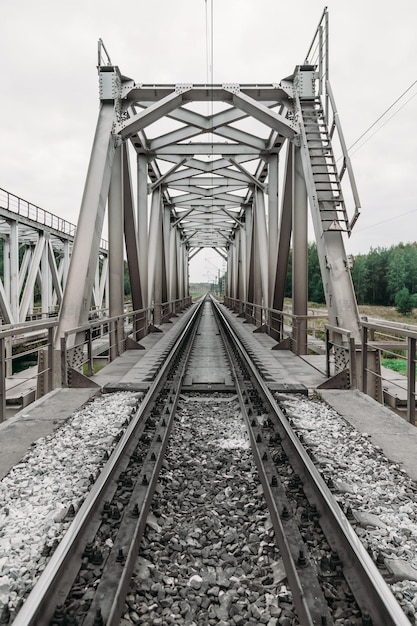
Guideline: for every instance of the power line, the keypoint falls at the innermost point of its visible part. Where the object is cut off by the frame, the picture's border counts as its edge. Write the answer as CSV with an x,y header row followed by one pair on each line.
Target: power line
x,y
395,217
382,125
384,113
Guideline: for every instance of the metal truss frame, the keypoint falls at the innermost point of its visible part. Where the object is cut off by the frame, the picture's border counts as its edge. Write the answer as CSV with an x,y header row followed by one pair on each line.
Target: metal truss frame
x,y
36,251
207,171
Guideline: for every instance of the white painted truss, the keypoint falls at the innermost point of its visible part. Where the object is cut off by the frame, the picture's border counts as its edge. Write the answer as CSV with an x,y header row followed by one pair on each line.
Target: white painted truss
x,y
36,248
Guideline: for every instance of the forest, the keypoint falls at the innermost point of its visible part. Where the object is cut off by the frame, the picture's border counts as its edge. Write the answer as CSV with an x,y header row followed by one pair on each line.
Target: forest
x,y
384,276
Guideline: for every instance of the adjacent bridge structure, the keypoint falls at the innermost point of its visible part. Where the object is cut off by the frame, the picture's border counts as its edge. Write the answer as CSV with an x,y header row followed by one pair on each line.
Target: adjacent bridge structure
x,y
181,168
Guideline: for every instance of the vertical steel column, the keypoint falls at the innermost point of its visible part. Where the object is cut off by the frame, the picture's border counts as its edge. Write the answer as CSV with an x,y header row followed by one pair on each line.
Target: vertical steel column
x,y
249,257
142,224
273,223
77,297
186,272
243,277
172,267
46,296
285,229
300,254
153,251
262,246
130,231
115,255
236,247
180,272
6,268
229,270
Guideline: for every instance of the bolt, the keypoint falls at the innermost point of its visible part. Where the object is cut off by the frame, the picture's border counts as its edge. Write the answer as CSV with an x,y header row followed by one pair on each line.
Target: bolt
x,y
97,557
274,481
106,509
88,550
264,456
258,438
302,561
5,614
145,480
135,511
120,556
285,514
98,619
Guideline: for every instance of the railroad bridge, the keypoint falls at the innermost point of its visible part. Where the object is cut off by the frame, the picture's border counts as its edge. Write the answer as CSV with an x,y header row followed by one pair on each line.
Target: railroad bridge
x,y
177,169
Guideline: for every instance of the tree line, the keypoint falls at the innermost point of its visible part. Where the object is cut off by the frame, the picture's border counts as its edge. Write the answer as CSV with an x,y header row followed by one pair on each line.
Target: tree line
x,y
384,276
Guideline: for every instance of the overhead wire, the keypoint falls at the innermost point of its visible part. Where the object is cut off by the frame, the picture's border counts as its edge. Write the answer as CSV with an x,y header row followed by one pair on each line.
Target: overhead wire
x,y
383,115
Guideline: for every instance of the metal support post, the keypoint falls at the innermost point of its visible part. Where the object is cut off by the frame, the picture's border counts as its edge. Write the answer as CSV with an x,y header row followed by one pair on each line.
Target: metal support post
x,y
364,359
243,279
262,246
50,361
300,254
131,234
411,381
45,287
154,226
172,266
116,222
77,297
249,255
2,380
273,223
142,225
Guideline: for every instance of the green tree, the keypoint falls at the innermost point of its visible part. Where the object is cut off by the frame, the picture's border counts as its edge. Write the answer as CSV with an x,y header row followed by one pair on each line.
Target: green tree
x,y
360,277
396,272
404,302
315,281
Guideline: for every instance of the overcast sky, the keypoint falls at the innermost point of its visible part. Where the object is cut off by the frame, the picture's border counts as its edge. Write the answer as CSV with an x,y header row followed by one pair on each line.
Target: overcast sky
x,y
49,87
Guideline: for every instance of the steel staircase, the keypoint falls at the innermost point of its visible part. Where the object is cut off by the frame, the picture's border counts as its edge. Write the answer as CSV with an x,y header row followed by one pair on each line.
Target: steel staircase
x,y
324,174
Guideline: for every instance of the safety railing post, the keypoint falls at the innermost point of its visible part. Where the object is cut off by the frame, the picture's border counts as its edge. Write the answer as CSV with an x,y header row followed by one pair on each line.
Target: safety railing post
x,y
90,369
364,359
64,366
327,352
2,380
50,377
352,363
411,381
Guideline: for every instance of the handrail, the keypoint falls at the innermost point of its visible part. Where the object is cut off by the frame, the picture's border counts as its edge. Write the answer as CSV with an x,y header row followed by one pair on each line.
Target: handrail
x,y
31,211
47,343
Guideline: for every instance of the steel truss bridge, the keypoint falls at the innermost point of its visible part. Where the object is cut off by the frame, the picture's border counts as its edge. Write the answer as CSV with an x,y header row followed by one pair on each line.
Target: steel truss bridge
x,y
181,168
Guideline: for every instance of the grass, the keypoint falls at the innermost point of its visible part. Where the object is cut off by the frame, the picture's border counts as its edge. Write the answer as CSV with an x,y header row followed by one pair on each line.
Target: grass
x,y
96,368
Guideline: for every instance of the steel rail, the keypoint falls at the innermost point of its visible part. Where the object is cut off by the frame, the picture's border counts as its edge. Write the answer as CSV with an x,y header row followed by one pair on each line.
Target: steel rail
x,y
37,610
368,586
310,603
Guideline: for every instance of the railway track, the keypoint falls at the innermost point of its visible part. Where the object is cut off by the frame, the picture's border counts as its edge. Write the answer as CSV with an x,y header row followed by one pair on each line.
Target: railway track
x,y
89,576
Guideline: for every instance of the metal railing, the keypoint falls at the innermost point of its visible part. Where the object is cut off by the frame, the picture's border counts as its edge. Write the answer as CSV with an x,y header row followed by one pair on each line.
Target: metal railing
x,y
26,209
397,342
359,364
39,343
82,345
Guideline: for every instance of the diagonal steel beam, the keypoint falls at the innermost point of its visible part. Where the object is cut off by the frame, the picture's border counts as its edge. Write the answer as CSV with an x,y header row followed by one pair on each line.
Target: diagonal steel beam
x,y
153,113
261,113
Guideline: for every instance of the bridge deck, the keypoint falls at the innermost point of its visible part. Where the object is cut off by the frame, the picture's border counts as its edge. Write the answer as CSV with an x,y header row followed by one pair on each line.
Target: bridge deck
x,y
282,370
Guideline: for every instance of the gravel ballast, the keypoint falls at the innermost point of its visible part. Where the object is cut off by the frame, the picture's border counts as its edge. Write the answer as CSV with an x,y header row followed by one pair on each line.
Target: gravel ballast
x,y
209,555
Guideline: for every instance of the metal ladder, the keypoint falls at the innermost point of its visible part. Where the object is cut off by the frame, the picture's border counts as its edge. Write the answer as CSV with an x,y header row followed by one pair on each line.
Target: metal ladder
x,y
324,173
